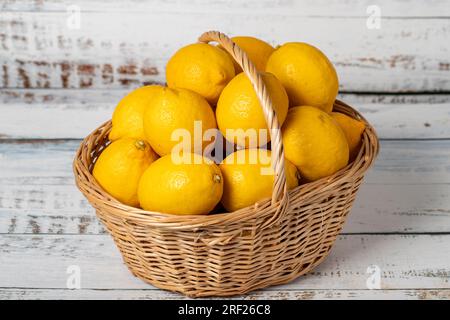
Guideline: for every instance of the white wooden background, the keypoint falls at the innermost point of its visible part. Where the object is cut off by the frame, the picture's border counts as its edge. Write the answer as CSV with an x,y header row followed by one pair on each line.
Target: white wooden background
x,y
58,83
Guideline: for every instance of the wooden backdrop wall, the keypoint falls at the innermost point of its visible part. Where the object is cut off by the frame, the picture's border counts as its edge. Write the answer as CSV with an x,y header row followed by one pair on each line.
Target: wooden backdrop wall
x,y
58,82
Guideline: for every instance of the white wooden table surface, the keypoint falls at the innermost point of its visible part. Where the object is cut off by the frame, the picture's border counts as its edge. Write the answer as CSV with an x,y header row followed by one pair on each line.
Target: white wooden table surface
x,y
59,80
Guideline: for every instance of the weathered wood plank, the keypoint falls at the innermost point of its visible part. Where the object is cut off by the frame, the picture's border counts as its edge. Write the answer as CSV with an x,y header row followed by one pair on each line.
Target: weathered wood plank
x,y
47,209
267,294
112,96
412,190
349,8
411,162
51,121
63,210
116,50
403,261
408,121
34,114
399,162
25,160
400,208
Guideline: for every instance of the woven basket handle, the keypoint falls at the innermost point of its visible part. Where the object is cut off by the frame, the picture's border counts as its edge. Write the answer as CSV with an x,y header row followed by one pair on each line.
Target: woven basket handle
x,y
279,192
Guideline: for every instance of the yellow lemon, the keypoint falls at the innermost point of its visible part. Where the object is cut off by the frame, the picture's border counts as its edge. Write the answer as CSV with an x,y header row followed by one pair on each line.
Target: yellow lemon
x,y
258,52
120,166
239,109
314,142
202,68
306,73
174,113
189,185
353,130
128,115
248,177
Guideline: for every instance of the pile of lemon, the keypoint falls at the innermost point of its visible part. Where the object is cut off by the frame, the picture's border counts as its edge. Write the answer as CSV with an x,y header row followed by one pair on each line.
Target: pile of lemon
x,y
205,85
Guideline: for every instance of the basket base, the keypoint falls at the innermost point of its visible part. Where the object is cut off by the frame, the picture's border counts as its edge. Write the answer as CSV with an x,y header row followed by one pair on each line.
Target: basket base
x,y
192,292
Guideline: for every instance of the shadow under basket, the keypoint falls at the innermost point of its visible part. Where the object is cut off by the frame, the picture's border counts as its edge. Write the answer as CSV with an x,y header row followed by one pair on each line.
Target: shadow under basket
x,y
269,243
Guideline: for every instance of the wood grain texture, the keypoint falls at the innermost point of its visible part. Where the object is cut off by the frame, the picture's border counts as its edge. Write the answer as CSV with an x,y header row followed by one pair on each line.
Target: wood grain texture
x,y
268,294
93,95
406,190
37,261
348,8
62,210
43,114
117,50
400,221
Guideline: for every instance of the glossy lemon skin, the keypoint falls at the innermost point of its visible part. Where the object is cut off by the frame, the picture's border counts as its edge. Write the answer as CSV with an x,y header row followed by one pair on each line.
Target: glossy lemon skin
x,y
258,51
353,130
181,188
307,74
239,108
120,166
314,142
127,119
248,178
202,68
177,109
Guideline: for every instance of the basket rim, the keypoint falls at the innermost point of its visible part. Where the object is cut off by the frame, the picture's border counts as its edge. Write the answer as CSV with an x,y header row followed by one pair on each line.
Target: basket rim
x,y
99,197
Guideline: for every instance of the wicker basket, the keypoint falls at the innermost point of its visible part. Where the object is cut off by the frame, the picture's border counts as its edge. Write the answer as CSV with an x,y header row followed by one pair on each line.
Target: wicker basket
x,y
271,242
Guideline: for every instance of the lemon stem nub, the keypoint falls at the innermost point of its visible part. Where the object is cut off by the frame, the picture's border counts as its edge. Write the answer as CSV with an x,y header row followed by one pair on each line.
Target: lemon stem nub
x,y
217,178
298,176
140,144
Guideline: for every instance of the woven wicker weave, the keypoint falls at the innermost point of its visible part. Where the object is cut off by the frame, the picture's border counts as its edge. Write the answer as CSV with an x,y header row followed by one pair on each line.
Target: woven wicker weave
x,y
272,242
